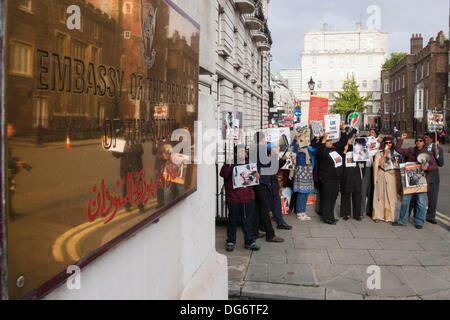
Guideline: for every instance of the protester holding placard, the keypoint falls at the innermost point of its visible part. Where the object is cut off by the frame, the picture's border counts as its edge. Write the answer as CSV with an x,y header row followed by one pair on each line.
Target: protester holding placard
x,y
330,171
410,155
303,176
240,202
367,190
351,185
387,183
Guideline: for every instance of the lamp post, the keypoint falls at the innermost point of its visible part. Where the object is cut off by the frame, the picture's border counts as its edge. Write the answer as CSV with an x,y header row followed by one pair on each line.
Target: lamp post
x,y
311,85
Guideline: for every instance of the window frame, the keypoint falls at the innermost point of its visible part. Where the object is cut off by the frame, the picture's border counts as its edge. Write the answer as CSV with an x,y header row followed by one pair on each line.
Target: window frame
x,y
30,61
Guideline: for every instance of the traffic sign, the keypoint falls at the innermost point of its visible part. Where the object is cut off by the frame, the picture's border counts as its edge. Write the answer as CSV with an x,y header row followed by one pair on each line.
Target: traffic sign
x,y
298,113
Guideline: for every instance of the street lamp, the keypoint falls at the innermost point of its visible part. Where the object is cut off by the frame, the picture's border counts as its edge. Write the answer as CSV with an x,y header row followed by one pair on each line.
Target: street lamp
x,y
311,85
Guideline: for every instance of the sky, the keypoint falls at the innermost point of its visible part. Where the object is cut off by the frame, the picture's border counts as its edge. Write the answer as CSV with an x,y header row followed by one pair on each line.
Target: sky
x,y
289,20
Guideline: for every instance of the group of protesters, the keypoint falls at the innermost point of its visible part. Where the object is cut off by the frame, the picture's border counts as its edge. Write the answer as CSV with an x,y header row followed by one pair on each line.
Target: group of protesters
x,y
370,188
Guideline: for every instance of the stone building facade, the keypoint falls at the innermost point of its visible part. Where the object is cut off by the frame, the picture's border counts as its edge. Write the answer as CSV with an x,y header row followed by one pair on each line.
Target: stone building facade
x,y
330,57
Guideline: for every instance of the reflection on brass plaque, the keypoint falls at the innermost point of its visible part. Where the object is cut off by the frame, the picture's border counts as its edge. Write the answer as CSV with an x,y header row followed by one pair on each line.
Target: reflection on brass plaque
x,y
89,117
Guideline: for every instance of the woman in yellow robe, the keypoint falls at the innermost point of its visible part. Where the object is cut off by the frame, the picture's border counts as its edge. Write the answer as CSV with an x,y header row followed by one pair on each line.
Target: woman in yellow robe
x,y
387,183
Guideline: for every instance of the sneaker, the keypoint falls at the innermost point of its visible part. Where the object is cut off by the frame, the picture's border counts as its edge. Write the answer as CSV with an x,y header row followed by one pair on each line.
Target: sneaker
x,y
419,227
306,217
396,224
301,216
253,247
230,247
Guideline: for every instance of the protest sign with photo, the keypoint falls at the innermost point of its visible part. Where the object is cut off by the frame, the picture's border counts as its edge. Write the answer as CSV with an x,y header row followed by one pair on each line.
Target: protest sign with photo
x,y
332,126
337,159
245,176
413,178
353,119
273,135
435,120
303,134
373,146
290,162
317,128
349,163
361,150
231,125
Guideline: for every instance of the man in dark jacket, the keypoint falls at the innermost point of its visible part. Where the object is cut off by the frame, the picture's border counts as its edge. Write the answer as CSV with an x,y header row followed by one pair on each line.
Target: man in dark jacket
x,y
410,155
433,187
330,169
263,191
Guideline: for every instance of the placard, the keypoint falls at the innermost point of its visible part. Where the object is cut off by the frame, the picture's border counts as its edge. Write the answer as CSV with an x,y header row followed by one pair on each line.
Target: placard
x,y
290,162
361,150
245,176
349,163
337,159
231,125
373,146
435,120
333,126
353,119
317,128
413,178
318,108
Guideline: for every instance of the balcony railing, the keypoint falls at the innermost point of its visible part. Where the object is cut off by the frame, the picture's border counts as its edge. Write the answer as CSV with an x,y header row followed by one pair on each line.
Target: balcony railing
x,y
263,46
245,6
259,36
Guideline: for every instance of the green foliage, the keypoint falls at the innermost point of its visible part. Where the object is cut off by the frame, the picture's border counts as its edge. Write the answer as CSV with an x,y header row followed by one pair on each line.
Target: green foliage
x,y
396,57
349,99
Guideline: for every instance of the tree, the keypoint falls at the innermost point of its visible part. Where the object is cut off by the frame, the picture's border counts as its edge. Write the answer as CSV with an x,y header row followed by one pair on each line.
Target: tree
x,y
349,99
396,57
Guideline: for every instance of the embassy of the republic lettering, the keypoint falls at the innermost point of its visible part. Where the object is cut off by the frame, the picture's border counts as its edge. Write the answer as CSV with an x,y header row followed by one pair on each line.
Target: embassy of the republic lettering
x,y
72,75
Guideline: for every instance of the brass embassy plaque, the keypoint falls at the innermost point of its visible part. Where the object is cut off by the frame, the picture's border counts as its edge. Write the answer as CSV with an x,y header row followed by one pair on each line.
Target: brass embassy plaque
x,y
93,90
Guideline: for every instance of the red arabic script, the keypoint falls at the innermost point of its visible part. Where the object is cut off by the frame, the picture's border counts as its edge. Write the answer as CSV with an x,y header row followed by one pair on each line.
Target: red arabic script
x,y
138,191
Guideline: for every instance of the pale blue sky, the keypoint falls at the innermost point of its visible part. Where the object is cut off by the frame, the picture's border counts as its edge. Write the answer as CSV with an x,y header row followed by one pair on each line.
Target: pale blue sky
x,y
289,20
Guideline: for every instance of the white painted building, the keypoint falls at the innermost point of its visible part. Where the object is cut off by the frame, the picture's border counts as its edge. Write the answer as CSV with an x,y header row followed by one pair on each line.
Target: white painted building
x,y
330,57
293,78
283,96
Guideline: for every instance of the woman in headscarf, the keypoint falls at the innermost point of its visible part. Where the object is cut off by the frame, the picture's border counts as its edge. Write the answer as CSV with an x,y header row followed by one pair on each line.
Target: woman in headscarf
x,y
387,183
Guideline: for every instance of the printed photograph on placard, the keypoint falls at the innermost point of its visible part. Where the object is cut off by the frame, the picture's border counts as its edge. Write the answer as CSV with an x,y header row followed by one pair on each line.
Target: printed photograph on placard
x,y
373,146
337,159
361,150
231,125
317,128
415,176
290,162
349,160
245,176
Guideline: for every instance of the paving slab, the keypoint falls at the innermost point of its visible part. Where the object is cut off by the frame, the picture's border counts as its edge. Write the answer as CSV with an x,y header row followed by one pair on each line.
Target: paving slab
x,y
373,233
332,294
411,233
272,256
423,282
260,290
394,283
394,258
318,232
433,258
440,272
316,243
258,272
444,295
358,243
234,289
350,256
296,274
398,244
313,256
435,245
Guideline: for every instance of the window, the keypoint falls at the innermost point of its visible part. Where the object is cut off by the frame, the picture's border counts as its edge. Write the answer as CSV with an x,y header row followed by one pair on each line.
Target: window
x,y
391,87
62,14
331,96
332,84
314,60
421,73
127,34
40,113
61,43
364,84
319,84
370,60
95,55
95,31
21,59
386,86
427,101
78,50
403,81
395,85
25,5
375,84
386,108
428,68
403,105
127,8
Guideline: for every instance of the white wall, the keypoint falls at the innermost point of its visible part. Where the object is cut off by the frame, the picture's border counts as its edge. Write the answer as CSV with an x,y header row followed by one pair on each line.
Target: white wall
x,y
175,258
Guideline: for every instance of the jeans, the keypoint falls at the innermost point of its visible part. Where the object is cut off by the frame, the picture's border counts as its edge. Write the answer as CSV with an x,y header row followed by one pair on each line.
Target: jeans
x,y
419,219
301,202
244,212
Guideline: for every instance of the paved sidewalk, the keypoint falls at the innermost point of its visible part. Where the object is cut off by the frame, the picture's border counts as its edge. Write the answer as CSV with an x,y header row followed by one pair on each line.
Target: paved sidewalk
x,y
319,261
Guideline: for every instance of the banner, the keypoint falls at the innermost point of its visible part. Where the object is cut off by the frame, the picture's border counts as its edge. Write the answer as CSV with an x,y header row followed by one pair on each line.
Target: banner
x,y
318,108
